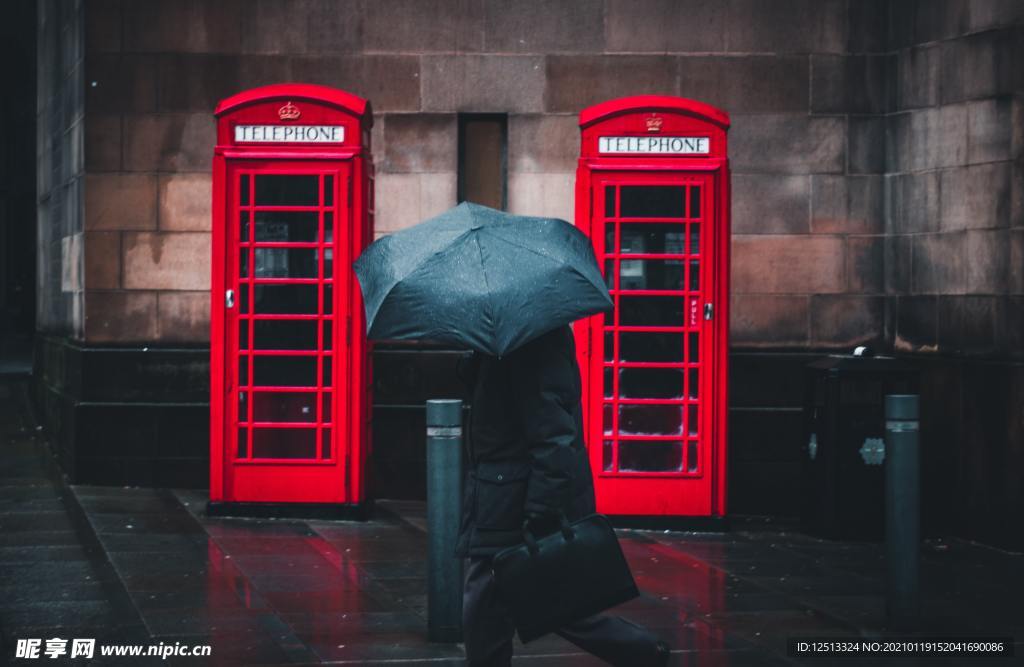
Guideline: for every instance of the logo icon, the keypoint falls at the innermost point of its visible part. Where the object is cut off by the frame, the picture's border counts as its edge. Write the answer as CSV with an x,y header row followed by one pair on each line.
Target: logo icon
x,y
289,112
654,123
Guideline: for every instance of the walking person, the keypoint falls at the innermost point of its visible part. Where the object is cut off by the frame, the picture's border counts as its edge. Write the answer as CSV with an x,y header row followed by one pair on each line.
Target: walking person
x,y
529,463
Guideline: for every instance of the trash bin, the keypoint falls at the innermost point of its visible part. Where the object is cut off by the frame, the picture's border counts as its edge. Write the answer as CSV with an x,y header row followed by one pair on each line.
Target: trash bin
x,y
844,443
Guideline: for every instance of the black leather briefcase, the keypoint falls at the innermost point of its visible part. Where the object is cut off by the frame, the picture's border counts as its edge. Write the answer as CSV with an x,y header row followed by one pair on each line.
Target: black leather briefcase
x,y
563,577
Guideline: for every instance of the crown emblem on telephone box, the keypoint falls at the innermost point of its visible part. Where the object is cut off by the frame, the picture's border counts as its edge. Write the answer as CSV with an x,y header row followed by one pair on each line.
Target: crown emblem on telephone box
x,y
289,112
654,123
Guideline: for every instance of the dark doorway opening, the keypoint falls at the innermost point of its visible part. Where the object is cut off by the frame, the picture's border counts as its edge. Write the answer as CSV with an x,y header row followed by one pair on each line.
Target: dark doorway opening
x,y
483,151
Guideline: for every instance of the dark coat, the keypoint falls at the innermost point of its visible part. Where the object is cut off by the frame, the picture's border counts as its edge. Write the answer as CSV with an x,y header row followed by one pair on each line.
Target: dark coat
x,y
526,447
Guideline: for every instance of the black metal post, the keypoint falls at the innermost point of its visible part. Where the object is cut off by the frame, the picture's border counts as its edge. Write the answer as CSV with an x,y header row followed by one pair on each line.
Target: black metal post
x,y
444,509
902,511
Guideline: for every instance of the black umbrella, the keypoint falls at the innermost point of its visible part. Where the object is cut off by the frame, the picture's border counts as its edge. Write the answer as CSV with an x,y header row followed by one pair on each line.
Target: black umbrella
x,y
481,278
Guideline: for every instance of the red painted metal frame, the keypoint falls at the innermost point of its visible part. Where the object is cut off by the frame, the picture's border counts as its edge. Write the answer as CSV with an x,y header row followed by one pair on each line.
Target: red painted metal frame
x,y
702,493
341,477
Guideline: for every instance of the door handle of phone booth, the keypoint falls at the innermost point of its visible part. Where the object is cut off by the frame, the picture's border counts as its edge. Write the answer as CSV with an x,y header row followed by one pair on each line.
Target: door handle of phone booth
x,y
229,298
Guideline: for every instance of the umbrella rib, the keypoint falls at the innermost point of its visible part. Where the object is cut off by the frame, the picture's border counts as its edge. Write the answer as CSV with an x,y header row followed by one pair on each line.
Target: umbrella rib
x,y
487,285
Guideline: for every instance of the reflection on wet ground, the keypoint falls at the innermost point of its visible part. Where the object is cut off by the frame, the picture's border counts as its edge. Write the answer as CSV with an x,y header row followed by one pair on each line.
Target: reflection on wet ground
x,y
130,565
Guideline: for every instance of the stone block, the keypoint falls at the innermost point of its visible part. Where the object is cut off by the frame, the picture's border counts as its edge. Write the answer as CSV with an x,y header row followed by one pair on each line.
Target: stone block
x,y
914,203
120,83
71,264
986,258
897,142
275,26
918,81
982,65
423,26
543,143
847,204
786,26
917,324
120,317
544,26
866,144
940,19
166,261
770,204
865,264
994,14
1015,284
576,82
969,324
788,264
548,195
169,142
938,266
420,142
897,264
787,143
198,82
507,84
102,142
746,83
184,202
103,22
989,130
665,26
937,137
402,200
183,317
757,320
901,23
851,84
390,82
102,260
976,196
867,26
842,321
120,201
334,26
189,26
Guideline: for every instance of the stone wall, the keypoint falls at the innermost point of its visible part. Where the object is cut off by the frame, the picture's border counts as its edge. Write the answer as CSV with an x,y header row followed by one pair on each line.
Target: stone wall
x,y
805,147
59,166
955,252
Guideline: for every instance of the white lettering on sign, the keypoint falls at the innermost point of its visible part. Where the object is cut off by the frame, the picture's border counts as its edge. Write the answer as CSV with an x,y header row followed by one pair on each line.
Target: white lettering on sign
x,y
312,134
659,144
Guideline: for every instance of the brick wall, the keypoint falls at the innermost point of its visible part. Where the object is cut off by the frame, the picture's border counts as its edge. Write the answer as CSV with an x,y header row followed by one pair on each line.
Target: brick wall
x,y
59,171
802,81
955,174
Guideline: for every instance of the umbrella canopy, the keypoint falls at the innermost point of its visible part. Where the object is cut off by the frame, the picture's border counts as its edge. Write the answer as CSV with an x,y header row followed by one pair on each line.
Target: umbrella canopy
x,y
481,278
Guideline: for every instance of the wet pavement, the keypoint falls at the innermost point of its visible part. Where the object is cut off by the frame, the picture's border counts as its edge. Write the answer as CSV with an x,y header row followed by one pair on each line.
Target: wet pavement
x,y
144,566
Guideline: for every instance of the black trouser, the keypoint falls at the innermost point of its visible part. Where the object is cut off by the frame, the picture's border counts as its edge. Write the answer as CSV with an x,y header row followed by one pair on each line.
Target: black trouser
x,y
487,629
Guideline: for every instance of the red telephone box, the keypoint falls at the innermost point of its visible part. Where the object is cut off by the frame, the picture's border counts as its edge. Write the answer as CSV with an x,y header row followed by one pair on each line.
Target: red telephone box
x,y
292,209
652,192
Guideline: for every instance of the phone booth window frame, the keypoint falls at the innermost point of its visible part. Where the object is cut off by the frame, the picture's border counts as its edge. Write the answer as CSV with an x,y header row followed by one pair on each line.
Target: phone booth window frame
x,y
651,145
292,209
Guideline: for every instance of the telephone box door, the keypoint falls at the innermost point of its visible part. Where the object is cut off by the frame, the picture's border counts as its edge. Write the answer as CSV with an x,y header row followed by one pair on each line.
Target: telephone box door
x,y
652,194
287,348
651,232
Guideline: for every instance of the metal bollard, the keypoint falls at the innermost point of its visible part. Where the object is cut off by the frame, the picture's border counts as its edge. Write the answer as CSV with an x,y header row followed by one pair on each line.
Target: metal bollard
x,y
902,511
444,511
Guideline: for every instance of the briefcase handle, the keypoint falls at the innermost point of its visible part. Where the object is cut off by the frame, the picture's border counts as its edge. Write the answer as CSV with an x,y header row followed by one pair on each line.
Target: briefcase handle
x,y
531,542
